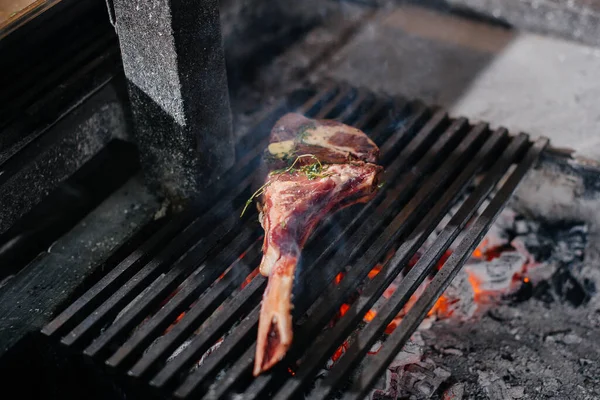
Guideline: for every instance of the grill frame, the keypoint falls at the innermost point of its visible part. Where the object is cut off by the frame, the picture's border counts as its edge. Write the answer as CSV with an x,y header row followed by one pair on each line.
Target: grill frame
x,y
423,150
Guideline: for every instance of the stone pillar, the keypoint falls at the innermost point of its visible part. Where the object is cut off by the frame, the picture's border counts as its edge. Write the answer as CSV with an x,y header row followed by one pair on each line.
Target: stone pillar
x,y
175,67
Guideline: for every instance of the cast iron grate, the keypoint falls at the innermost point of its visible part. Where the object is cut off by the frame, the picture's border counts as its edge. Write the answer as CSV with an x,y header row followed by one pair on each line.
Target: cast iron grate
x,y
192,291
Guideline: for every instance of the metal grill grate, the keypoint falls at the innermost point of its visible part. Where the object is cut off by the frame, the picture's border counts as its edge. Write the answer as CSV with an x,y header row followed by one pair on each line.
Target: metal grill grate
x,y
193,287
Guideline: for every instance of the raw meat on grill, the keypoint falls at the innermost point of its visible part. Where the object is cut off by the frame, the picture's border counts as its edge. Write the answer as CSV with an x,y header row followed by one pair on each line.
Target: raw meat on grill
x,y
324,174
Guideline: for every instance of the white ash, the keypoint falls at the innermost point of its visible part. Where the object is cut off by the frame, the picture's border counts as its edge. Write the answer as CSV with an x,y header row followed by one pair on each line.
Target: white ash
x,y
177,351
186,344
522,351
210,350
414,381
497,275
496,388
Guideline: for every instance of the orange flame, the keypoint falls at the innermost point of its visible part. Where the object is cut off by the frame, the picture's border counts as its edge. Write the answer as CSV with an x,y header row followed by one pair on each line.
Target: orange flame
x,y
338,278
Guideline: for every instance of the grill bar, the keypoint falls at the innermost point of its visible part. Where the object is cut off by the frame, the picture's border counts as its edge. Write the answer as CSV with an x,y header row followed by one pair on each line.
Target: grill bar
x,y
194,285
443,278
127,292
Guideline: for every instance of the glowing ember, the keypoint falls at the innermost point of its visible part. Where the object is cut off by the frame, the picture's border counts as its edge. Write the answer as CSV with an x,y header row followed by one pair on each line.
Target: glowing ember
x,y
179,318
393,325
443,307
249,278
475,285
373,273
443,259
479,251
389,291
338,278
292,373
344,309
499,267
339,352
492,274
414,260
169,297
369,316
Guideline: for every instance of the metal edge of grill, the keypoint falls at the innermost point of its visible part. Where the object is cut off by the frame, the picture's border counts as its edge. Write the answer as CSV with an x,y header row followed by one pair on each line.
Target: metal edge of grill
x,y
195,280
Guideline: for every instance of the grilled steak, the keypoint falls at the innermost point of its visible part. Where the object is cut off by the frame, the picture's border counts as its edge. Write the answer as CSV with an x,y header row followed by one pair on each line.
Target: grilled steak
x,y
329,166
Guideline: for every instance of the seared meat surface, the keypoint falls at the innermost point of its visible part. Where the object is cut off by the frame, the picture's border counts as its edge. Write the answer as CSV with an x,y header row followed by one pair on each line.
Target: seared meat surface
x,y
324,174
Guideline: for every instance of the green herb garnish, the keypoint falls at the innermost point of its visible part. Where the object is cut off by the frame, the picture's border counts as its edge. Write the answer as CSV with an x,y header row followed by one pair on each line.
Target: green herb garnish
x,y
312,171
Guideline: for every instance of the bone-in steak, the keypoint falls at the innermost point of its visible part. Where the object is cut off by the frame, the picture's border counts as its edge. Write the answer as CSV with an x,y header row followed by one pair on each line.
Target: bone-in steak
x,y
323,167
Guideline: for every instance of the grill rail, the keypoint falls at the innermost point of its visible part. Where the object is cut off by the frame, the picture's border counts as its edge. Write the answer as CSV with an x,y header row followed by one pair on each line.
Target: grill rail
x,y
195,283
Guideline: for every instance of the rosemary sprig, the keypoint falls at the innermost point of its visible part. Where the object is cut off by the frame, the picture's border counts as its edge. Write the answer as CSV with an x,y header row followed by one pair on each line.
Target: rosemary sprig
x,y
312,171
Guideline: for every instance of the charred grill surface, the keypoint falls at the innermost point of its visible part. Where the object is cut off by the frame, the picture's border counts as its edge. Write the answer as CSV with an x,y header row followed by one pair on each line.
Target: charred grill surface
x,y
180,313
